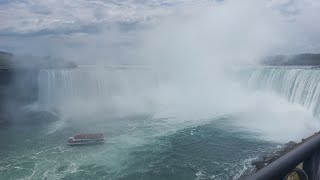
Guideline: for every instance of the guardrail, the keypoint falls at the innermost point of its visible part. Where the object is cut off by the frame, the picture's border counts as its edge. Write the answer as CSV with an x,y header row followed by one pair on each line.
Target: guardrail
x,y
307,153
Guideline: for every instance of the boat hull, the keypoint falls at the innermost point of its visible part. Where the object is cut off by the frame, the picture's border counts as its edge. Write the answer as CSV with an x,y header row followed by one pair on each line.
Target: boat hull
x,y
85,143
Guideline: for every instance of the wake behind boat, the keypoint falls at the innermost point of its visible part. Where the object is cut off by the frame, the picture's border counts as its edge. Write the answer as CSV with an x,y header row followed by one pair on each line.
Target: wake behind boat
x,y
86,139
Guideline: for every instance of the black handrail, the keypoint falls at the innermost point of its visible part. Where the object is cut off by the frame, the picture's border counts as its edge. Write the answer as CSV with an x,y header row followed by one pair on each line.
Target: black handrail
x,y
285,164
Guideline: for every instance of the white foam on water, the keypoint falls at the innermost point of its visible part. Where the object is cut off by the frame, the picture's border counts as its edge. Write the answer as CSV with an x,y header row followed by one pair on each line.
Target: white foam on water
x,y
56,126
246,165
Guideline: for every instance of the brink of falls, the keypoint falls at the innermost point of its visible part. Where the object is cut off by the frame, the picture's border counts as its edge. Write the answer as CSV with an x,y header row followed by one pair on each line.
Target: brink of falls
x,y
299,86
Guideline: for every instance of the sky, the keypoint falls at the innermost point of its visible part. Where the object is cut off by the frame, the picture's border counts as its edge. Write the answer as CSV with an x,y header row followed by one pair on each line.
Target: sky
x,y
69,28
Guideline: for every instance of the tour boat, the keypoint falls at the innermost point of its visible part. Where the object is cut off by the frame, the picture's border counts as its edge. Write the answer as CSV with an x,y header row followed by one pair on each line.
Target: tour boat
x,y
86,139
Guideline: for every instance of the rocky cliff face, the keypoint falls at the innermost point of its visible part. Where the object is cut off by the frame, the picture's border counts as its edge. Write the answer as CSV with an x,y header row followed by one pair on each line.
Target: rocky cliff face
x,y
17,88
5,59
5,80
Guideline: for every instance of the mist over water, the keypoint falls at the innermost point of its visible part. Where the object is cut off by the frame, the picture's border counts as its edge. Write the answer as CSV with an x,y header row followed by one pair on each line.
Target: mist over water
x,y
214,134
174,96
86,91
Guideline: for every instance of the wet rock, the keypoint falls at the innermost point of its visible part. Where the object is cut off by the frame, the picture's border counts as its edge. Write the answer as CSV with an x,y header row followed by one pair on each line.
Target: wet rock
x,y
263,161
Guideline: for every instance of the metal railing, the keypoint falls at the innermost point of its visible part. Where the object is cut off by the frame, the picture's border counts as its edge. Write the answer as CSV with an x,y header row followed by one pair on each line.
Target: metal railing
x,y
307,153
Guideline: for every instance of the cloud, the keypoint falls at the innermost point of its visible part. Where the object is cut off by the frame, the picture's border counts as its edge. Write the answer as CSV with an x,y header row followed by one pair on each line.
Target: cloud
x,y
100,26
58,16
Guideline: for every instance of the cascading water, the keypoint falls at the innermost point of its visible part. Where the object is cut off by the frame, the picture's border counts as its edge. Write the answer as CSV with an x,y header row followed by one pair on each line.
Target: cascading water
x,y
103,87
298,86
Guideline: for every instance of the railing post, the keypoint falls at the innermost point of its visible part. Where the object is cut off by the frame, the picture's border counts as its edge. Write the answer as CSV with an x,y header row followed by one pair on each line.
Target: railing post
x,y
307,167
312,165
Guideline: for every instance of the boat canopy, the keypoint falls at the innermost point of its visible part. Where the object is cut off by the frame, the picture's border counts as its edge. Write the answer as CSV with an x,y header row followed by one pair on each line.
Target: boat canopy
x,y
89,136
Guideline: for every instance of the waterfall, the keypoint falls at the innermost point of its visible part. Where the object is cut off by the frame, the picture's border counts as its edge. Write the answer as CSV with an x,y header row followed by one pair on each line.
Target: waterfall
x,y
300,86
95,86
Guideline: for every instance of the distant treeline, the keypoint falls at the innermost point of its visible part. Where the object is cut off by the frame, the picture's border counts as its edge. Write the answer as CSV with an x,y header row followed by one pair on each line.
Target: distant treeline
x,y
11,61
292,60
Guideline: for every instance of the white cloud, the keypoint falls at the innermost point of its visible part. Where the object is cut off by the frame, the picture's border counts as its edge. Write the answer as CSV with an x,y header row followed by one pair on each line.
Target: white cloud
x,y
36,15
293,26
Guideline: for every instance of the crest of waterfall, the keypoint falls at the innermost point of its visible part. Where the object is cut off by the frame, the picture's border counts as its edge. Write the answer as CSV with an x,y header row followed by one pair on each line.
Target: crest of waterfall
x,y
98,86
300,86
